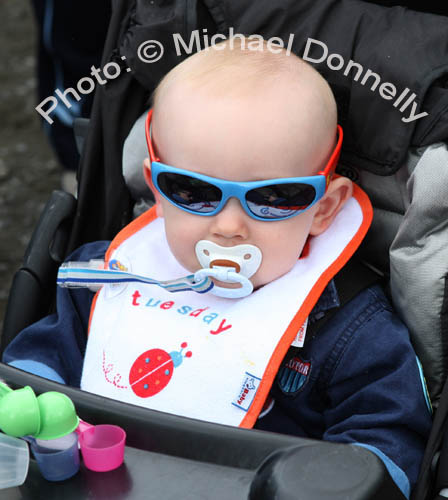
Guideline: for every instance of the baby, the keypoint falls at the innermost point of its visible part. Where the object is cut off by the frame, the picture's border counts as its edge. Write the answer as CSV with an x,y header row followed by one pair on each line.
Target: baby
x,y
243,144
244,115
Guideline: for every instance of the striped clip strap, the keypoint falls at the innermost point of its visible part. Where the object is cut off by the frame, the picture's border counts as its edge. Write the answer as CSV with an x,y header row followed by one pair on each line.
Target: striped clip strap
x,y
93,275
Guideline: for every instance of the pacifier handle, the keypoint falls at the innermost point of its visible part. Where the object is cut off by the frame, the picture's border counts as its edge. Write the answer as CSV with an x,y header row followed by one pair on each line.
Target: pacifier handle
x,y
226,274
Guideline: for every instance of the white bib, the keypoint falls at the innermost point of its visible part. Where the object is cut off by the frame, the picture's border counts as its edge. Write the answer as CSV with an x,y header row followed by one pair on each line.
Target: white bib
x,y
203,356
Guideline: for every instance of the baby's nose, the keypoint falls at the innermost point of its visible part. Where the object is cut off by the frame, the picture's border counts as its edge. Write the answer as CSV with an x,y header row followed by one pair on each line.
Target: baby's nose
x,y
231,221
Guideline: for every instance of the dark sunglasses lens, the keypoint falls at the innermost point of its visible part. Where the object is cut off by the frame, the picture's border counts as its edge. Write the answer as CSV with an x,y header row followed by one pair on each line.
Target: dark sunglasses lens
x,y
190,193
280,200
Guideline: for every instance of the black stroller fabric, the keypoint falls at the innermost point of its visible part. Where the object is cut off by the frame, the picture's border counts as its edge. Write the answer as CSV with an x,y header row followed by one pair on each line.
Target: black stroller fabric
x,y
373,36
376,138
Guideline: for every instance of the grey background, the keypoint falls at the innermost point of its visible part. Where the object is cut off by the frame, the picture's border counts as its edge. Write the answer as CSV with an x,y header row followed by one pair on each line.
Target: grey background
x,y
28,168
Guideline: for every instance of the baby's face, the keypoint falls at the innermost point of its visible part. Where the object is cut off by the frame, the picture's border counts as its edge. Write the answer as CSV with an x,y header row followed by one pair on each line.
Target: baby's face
x,y
238,139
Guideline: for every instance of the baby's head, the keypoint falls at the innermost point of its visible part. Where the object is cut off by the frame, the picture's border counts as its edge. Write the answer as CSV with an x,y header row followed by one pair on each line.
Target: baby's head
x,y
241,115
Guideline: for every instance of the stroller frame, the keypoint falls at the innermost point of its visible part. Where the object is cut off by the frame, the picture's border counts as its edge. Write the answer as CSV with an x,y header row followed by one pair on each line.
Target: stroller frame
x,y
167,455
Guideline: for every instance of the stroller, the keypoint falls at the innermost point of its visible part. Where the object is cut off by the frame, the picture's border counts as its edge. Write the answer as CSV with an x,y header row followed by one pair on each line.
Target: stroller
x,y
393,160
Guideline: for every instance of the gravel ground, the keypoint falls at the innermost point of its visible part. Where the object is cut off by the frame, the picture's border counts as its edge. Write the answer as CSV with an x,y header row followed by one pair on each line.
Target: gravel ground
x,y
28,168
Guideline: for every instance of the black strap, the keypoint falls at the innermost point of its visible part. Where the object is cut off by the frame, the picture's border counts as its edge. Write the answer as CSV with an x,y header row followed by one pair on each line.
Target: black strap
x,y
354,277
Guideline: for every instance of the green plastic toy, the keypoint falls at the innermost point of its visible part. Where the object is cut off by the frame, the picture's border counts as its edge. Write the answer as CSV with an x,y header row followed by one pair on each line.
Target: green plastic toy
x,y
57,414
48,416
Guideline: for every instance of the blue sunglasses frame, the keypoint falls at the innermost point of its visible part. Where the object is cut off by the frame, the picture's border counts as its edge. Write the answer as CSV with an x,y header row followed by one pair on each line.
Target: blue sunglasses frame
x,y
232,189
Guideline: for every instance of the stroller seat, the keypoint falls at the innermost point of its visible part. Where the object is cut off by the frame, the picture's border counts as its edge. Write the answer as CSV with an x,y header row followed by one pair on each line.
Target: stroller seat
x,y
403,168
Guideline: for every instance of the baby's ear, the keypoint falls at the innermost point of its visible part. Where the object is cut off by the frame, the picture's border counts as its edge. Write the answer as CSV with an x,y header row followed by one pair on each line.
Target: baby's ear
x,y
147,174
339,191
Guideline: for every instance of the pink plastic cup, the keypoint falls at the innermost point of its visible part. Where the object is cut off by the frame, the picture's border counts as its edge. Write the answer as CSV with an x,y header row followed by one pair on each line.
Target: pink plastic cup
x,y
102,446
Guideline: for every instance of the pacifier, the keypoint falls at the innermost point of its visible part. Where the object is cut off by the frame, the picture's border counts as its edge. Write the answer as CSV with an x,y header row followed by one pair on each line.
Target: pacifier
x,y
228,264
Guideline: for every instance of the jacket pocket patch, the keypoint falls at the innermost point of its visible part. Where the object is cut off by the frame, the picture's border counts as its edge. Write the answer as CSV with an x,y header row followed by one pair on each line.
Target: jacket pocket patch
x,y
293,375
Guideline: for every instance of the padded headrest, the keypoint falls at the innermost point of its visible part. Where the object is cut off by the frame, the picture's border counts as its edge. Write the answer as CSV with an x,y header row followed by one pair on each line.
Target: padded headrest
x,y
419,264
406,50
135,151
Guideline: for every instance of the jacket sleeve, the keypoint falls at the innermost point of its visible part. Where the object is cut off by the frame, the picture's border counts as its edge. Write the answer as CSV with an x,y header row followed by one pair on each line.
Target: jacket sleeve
x,y
376,395
54,347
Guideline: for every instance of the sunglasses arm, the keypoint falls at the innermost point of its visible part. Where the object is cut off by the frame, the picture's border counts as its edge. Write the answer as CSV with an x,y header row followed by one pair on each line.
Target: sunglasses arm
x,y
152,154
329,169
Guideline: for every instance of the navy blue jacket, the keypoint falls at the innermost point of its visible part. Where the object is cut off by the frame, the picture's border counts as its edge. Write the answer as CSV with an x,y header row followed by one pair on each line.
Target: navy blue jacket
x,y
356,381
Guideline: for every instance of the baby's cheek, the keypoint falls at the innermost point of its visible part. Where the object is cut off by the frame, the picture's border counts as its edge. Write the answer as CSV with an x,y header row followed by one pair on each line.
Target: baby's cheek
x,y
183,250
279,257
274,269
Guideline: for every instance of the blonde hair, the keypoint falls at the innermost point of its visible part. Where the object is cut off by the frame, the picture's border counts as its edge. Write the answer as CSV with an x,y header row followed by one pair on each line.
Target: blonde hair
x,y
236,67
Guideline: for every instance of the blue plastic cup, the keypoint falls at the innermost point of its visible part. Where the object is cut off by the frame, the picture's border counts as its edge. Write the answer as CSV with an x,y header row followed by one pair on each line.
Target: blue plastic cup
x,y
58,459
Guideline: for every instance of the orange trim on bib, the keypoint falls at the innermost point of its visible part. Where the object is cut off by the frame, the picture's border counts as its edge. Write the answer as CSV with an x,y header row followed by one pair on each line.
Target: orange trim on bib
x,y
307,306
92,308
137,224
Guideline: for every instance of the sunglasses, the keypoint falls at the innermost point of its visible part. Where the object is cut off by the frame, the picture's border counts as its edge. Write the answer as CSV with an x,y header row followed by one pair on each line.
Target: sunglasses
x,y
272,199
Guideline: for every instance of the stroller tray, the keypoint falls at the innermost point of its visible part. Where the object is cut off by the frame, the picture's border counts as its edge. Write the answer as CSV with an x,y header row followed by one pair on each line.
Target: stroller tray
x,y
172,457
